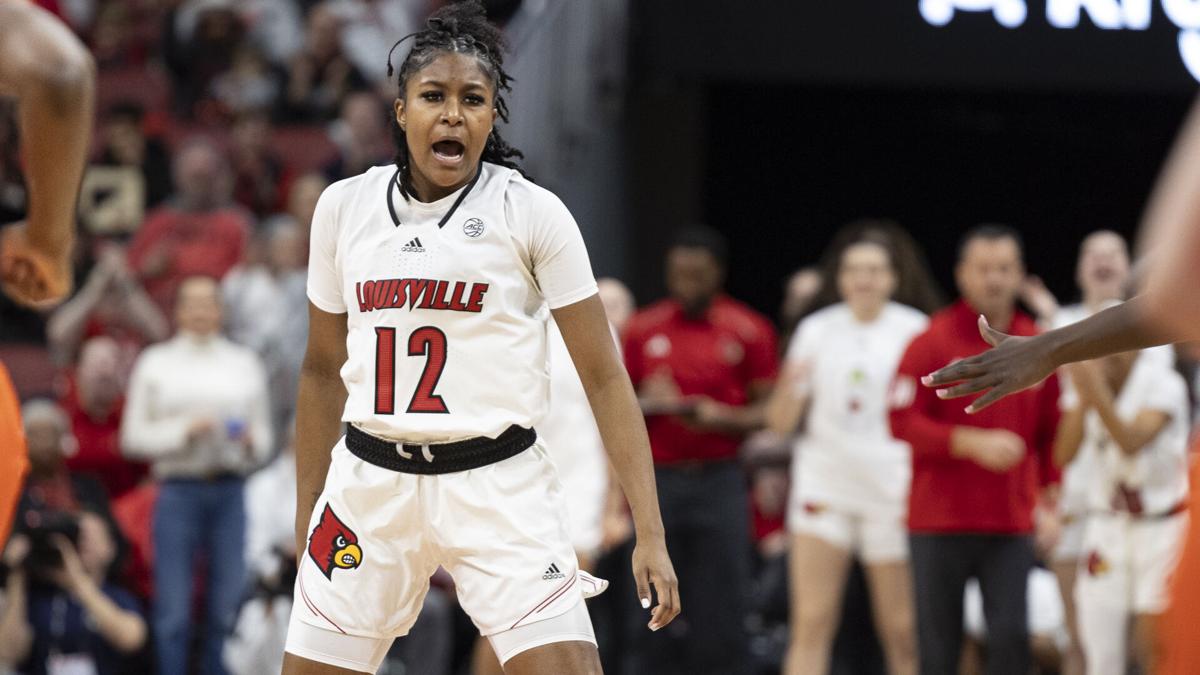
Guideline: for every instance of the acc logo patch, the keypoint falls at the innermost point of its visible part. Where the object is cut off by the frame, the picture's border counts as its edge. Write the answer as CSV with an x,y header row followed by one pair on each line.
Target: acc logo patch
x,y
332,545
473,228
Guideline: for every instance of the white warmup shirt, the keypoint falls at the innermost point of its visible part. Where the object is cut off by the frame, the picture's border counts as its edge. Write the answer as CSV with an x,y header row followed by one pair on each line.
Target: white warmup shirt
x,y
573,440
177,382
1076,476
847,457
445,300
1158,472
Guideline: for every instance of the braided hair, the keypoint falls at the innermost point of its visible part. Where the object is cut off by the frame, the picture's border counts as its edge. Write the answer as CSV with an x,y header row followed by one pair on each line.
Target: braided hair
x,y
461,28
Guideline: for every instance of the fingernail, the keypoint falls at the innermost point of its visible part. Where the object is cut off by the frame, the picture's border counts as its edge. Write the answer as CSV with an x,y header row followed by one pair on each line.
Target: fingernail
x,y
654,627
645,603
941,393
970,410
927,380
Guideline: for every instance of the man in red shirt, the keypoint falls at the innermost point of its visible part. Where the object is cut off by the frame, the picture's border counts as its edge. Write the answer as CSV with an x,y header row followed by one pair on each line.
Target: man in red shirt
x,y
197,233
976,478
703,365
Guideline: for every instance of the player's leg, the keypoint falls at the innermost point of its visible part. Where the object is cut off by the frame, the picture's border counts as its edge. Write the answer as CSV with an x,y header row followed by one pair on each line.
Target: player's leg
x,y
818,563
297,665
1102,596
885,555
1065,570
1004,580
177,525
1156,548
941,565
568,658
1146,642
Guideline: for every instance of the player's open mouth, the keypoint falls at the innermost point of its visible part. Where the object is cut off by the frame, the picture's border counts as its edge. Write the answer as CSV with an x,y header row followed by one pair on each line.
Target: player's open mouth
x,y
449,153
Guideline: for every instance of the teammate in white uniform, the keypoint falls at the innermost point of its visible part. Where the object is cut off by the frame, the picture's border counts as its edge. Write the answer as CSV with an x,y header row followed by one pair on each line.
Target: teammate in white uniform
x,y
1130,414
428,284
1103,275
850,478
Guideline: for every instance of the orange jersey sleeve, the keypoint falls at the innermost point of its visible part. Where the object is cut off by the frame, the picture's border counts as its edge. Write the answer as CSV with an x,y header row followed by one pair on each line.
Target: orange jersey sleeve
x,y
1181,649
13,460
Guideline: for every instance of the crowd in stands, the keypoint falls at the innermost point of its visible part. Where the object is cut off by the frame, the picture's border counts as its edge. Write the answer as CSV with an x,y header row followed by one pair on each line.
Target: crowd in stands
x,y
156,530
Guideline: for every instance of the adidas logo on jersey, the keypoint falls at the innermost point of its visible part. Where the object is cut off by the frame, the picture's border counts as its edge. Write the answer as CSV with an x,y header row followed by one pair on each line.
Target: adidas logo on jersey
x,y
413,246
553,573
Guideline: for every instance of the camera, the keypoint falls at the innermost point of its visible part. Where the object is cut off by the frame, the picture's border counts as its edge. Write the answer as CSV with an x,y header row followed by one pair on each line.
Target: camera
x,y
40,527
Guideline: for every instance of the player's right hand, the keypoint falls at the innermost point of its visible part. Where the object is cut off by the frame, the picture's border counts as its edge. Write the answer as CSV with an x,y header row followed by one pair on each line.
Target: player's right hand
x,y
997,450
652,566
1014,364
29,274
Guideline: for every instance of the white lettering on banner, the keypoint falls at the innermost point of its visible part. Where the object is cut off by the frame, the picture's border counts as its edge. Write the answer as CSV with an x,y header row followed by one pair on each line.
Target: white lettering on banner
x,y
1009,13
1107,14
1065,14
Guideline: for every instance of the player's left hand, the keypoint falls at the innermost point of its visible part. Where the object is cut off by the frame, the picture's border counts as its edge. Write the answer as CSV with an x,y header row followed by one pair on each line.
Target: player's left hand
x,y
652,567
1014,364
29,274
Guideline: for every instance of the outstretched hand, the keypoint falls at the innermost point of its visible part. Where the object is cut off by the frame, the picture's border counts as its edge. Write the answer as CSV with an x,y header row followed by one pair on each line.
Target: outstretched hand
x,y
652,566
1014,363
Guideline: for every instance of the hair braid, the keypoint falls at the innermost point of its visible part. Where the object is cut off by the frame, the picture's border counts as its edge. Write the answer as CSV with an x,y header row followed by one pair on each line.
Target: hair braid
x,y
461,28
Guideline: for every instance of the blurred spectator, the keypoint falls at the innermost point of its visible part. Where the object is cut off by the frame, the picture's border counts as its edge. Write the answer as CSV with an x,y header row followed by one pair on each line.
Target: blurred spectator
x,y
79,622
371,26
93,402
111,303
12,183
50,487
126,144
361,134
202,37
259,174
196,233
320,75
266,309
618,302
1130,414
975,478
275,25
301,202
257,645
198,411
250,84
850,476
703,365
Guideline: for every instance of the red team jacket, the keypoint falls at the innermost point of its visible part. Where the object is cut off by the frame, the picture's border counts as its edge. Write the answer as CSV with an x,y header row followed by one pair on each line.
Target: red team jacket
x,y
719,356
952,495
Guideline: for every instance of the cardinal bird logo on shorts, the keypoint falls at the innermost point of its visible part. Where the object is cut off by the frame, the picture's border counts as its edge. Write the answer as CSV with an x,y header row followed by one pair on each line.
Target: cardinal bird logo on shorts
x,y
332,545
1096,564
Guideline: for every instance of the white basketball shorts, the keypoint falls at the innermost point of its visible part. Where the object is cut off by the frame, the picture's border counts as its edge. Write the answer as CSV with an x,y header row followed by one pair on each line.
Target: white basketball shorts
x,y
876,538
377,535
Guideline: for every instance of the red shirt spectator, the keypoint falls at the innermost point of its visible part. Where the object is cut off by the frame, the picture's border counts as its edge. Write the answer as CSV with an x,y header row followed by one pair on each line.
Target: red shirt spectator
x,y
952,493
716,356
195,235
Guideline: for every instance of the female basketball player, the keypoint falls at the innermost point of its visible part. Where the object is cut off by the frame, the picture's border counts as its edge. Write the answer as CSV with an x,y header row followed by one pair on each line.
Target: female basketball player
x,y
428,283
850,477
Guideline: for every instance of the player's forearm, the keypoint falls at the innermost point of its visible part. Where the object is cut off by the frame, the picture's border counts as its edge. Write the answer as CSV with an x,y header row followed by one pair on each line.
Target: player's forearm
x,y
319,403
1069,437
1126,327
624,434
54,78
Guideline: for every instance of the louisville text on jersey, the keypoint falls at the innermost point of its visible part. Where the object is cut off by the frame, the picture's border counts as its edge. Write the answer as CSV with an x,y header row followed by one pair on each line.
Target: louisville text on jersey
x,y
453,296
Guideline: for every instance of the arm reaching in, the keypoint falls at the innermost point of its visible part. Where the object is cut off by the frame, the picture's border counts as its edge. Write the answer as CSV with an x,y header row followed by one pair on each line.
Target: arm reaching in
x,y
585,330
52,75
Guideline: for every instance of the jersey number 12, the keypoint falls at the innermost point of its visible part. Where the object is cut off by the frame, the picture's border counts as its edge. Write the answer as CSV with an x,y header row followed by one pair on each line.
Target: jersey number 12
x,y
426,341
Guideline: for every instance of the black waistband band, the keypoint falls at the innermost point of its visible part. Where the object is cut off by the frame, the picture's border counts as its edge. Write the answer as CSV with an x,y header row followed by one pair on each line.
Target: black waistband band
x,y
439,457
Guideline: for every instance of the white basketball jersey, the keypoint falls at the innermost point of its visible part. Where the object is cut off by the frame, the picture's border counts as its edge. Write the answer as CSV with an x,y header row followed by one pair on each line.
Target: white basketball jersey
x,y
445,301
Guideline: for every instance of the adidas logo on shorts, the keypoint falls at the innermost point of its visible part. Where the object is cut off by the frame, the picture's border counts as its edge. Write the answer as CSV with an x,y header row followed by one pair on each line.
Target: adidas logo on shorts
x,y
552,573
413,246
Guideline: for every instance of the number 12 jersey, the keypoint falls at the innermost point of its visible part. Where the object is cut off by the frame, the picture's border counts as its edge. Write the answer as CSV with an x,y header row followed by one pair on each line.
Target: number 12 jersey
x,y
445,301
